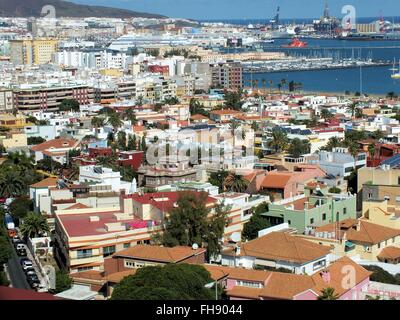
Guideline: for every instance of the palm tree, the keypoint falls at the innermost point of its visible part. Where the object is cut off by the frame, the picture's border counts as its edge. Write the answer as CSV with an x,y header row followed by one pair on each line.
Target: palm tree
x,y
326,114
353,150
353,108
235,183
12,184
233,126
271,83
279,141
34,224
130,116
97,122
105,161
328,294
371,150
283,84
115,121
21,160
264,83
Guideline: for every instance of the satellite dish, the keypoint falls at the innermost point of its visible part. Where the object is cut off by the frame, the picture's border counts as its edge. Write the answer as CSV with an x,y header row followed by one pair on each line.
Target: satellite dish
x,y
195,246
235,237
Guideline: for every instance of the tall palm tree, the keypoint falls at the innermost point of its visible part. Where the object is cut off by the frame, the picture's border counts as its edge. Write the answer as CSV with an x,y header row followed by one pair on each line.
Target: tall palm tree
x,y
283,83
235,183
372,150
279,141
271,83
34,224
353,108
12,184
234,124
328,294
353,150
264,83
115,121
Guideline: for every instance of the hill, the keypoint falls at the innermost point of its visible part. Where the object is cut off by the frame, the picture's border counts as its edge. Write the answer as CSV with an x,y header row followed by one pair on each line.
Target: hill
x,y
33,8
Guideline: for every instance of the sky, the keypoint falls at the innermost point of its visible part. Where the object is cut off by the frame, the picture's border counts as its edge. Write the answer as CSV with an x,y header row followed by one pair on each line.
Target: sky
x,y
251,9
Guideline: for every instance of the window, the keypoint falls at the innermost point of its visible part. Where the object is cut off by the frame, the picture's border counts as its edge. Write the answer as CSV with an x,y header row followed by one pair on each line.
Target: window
x,y
127,245
289,222
311,220
107,251
84,268
319,264
324,216
85,253
248,284
129,264
344,210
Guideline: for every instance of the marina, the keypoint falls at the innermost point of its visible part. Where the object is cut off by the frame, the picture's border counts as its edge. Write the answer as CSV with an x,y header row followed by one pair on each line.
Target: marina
x,y
308,64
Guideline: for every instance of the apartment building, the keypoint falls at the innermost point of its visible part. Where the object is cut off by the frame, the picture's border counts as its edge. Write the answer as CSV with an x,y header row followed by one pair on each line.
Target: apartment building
x,y
227,75
49,97
305,213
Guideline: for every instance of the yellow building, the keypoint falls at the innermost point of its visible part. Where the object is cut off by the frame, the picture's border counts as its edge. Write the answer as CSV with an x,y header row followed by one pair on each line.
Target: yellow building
x,y
32,51
380,212
15,140
13,123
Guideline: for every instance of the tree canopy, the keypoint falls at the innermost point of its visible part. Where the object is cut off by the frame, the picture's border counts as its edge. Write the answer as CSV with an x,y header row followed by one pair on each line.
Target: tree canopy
x,y
191,221
170,282
256,223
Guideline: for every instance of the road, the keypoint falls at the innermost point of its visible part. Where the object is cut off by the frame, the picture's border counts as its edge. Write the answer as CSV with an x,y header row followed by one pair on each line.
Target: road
x,y
17,276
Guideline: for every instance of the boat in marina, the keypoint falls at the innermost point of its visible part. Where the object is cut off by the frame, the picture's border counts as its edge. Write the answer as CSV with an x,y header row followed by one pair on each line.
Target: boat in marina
x,y
395,75
296,43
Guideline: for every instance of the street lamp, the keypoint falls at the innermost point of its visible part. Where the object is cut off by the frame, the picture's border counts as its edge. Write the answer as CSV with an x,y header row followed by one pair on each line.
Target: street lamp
x,y
210,285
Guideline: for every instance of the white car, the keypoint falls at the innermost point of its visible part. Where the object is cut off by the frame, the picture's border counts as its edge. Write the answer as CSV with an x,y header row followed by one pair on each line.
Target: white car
x,y
27,264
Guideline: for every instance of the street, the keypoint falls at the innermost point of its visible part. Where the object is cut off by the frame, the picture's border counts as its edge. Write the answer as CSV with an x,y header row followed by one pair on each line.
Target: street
x,y
17,276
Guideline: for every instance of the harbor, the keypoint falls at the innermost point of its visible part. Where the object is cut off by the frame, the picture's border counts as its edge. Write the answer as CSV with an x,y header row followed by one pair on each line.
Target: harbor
x,y
308,64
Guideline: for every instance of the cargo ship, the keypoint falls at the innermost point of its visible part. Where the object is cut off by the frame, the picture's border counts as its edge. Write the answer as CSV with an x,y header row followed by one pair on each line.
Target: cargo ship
x,y
296,43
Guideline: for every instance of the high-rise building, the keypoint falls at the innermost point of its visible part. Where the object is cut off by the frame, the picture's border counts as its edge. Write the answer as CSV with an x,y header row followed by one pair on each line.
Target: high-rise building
x,y
227,75
32,51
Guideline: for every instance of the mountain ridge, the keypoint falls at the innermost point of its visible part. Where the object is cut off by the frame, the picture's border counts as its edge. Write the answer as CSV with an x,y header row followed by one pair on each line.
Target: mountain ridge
x,y
33,8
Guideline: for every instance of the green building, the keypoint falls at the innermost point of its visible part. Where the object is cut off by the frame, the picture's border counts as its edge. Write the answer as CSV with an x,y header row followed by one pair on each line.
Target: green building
x,y
307,212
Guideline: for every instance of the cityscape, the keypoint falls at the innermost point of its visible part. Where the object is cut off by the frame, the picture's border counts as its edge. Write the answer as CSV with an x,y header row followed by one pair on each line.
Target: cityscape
x,y
149,157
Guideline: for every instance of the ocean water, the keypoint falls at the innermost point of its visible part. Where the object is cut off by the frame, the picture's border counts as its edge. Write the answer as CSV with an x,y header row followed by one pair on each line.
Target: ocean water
x,y
373,80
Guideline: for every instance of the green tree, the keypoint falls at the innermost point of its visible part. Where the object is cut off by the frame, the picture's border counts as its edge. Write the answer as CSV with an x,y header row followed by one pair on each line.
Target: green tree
x,y
20,207
35,140
279,140
97,122
129,115
12,184
63,281
326,114
121,140
189,223
235,183
218,178
69,105
256,223
328,294
169,282
195,107
299,147
114,120
333,142
143,146
34,224
233,100
132,143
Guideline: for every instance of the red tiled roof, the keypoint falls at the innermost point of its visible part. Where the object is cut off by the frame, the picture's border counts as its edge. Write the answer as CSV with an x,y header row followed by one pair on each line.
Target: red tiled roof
x,y
56,144
277,180
8,293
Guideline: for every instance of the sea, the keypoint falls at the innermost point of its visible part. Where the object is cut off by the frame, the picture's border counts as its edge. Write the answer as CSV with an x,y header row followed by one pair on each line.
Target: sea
x,y
369,80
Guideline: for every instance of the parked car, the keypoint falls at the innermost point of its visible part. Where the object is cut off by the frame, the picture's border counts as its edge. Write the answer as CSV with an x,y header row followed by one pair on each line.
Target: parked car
x,y
17,242
28,269
21,252
33,280
25,263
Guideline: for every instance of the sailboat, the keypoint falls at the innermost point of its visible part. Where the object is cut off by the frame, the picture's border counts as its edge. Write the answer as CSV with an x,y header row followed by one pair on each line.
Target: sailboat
x,y
395,75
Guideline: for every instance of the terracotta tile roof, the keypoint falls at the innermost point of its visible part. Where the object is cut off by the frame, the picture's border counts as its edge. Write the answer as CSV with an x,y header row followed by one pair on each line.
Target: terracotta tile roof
x,y
283,247
225,111
371,233
8,293
56,144
88,275
45,183
118,276
198,117
276,180
157,253
338,276
286,285
77,206
390,253
244,292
